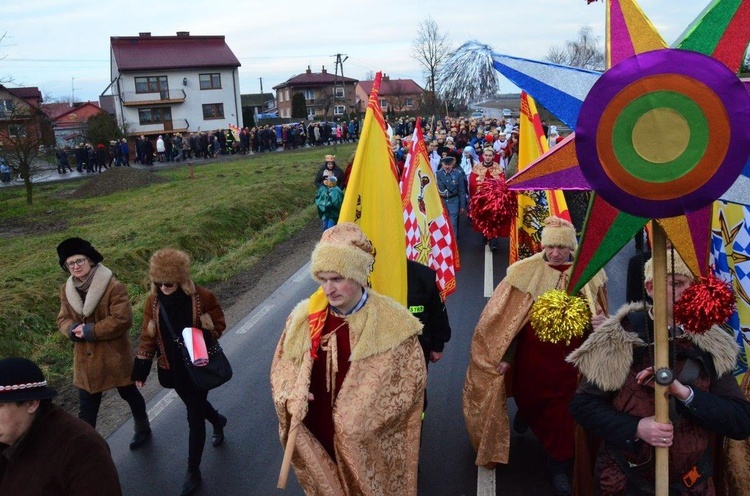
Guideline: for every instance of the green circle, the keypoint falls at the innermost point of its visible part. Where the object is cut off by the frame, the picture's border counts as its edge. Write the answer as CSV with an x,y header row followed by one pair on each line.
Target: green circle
x,y
637,166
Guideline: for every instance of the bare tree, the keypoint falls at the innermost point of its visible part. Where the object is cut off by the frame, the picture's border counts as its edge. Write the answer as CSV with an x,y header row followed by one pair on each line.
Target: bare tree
x,y
583,52
430,48
4,79
369,76
23,140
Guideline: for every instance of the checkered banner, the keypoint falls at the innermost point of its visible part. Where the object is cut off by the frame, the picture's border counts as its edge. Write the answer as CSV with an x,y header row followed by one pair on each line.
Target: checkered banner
x,y
730,256
429,237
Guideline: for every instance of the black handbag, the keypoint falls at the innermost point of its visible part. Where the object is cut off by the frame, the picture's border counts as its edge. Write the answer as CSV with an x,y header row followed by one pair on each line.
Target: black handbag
x,y
209,376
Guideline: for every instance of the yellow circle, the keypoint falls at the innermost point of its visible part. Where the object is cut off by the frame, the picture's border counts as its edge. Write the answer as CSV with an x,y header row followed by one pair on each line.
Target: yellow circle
x,y
661,135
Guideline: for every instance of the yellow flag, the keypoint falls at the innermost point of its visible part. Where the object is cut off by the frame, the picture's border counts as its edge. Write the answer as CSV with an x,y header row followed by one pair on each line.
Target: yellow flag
x,y
533,206
373,201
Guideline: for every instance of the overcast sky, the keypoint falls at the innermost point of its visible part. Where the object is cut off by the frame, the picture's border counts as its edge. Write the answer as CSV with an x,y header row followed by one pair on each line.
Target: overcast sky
x,y
63,47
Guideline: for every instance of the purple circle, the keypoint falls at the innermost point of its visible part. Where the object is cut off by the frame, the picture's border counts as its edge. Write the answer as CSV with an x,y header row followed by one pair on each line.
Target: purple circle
x,y
712,73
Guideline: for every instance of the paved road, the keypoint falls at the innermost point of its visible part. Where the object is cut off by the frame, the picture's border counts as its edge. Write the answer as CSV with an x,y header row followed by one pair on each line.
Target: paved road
x,y
249,461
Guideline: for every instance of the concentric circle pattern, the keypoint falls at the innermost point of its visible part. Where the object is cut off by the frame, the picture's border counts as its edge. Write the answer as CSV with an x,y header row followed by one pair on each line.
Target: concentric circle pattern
x,y
662,133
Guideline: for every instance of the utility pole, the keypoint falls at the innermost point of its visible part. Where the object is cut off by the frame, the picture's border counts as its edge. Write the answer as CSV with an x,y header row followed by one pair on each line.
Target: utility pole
x,y
261,84
339,63
72,92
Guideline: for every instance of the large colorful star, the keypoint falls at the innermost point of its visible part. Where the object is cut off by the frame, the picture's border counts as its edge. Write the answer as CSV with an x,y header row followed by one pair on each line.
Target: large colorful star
x,y
660,135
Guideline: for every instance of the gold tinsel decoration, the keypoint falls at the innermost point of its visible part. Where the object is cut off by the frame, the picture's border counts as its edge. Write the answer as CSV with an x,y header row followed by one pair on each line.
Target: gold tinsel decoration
x,y
556,316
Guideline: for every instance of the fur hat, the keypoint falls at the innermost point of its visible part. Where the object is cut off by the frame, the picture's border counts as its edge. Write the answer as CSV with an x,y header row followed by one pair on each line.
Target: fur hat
x,y
22,380
77,246
170,265
559,232
330,158
344,249
679,267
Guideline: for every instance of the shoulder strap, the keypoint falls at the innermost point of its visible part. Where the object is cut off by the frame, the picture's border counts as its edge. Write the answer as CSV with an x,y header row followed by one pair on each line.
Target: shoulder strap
x,y
167,323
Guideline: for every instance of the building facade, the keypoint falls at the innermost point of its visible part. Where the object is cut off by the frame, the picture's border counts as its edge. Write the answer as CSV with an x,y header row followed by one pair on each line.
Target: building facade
x,y
182,83
400,96
327,96
21,116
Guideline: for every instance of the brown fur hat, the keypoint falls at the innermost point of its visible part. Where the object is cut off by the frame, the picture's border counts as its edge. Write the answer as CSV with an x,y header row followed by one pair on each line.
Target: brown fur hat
x,y
344,249
170,265
559,232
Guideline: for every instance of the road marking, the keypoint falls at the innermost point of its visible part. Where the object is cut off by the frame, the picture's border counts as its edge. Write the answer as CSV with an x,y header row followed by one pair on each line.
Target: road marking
x,y
255,318
488,286
161,405
486,482
303,274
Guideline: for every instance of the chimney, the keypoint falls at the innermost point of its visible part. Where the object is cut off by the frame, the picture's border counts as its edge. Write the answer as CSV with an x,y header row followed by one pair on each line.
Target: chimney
x,y
308,71
386,77
183,33
144,35
324,70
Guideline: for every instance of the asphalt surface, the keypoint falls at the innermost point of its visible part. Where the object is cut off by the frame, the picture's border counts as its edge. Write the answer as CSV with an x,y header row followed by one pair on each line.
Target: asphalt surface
x,y
249,461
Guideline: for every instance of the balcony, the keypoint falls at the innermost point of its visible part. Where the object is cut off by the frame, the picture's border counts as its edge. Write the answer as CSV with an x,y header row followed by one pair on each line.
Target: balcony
x,y
171,126
167,97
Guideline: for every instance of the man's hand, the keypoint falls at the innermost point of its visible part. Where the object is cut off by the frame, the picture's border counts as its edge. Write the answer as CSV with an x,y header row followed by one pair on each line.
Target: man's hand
x,y
655,433
598,319
503,368
435,356
78,331
676,389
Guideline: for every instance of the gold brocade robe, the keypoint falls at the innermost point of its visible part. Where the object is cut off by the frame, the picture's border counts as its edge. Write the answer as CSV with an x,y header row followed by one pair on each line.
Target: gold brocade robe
x,y
737,453
378,411
506,313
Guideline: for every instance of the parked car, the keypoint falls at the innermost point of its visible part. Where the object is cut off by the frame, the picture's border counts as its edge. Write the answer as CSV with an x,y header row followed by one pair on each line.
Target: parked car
x,y
477,114
507,113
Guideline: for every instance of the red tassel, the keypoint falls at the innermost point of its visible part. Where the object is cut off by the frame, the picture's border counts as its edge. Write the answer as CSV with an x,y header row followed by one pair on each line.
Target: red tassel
x,y
493,208
705,304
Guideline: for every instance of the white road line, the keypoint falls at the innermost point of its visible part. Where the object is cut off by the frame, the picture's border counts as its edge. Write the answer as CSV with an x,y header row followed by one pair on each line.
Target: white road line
x,y
255,318
301,276
161,405
488,286
486,482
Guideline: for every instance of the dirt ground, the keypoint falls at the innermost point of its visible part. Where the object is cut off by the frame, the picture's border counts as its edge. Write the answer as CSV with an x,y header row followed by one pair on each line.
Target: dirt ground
x,y
238,296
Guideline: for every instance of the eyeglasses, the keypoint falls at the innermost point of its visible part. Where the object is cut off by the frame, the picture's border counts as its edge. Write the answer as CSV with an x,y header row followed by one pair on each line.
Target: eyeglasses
x,y
168,285
76,263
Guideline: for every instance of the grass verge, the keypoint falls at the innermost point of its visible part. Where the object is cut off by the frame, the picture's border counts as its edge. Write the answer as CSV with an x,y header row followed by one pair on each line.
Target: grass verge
x,y
227,218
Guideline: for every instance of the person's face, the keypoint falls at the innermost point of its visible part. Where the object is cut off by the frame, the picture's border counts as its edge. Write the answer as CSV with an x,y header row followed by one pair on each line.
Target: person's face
x,y
557,255
676,283
15,420
329,165
79,266
166,287
344,294
448,167
488,156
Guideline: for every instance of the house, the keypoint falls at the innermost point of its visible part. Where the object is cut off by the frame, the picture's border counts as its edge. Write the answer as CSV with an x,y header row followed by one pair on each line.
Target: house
x,y
326,95
181,83
20,114
396,95
69,121
256,105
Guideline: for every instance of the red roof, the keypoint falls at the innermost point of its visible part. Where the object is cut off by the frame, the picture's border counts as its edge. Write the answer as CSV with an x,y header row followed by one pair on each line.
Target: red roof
x,y
393,87
137,53
57,110
26,93
315,79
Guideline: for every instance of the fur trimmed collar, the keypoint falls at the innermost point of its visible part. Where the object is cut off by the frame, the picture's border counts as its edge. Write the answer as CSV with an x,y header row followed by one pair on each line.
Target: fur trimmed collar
x,y
381,325
96,290
606,356
534,276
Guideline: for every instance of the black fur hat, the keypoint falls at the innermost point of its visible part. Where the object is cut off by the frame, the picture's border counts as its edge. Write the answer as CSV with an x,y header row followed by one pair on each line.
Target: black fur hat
x,y
77,246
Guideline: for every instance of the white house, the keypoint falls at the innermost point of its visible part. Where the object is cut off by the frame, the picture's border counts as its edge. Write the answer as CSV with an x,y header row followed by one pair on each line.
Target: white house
x,y
182,83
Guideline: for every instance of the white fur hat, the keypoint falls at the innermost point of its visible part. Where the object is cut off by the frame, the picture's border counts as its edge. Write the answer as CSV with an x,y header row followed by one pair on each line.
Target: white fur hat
x,y
344,249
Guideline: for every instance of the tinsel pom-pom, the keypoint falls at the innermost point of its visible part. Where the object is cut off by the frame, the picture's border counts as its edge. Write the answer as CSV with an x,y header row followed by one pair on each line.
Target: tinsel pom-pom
x,y
493,208
705,304
556,316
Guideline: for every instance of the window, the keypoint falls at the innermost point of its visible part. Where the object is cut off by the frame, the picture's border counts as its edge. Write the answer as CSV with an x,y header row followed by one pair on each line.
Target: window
x,y
286,95
338,91
154,115
16,130
210,81
409,102
310,113
152,84
339,110
383,104
6,108
310,95
213,111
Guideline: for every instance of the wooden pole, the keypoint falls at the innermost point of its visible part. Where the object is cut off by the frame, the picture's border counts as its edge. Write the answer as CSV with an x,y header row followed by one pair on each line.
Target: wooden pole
x,y
286,463
661,350
191,176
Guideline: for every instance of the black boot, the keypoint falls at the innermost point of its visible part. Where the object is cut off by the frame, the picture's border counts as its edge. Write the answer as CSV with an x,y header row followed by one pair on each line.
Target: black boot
x,y
218,437
193,479
561,477
142,434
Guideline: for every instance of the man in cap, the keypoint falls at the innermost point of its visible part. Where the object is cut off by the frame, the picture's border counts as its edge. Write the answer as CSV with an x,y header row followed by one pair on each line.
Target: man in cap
x,y
615,401
43,449
542,382
348,378
451,184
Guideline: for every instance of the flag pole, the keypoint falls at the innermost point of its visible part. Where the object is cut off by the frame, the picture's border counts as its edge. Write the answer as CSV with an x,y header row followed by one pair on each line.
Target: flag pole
x,y
661,350
286,464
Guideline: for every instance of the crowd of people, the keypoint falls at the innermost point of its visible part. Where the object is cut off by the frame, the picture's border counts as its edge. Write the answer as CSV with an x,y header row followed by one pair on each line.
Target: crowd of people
x,y
348,377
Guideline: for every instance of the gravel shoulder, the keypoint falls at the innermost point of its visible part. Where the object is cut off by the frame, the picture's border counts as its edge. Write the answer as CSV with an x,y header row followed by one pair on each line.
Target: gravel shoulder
x,y
238,296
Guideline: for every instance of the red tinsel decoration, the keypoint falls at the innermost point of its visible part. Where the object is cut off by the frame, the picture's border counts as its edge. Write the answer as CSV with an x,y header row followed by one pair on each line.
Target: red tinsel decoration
x,y
704,304
493,207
